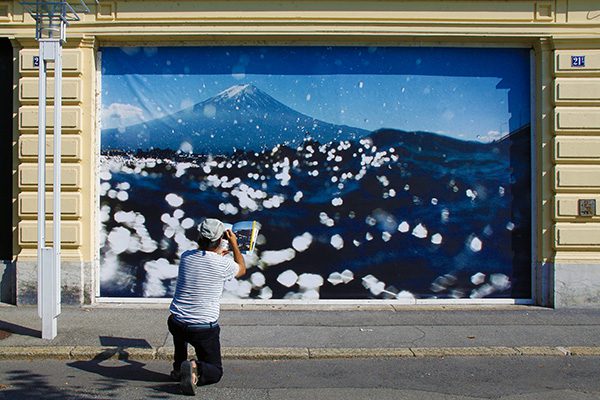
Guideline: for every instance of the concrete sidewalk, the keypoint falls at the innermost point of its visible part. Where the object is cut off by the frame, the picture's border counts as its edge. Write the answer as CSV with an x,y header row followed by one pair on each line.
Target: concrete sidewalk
x,y
277,332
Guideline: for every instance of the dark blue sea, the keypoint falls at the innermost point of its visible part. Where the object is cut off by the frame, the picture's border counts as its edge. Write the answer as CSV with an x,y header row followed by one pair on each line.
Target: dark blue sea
x,y
405,214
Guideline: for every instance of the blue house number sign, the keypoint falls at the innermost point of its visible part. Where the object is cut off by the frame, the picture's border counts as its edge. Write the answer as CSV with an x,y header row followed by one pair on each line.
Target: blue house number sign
x,y
577,61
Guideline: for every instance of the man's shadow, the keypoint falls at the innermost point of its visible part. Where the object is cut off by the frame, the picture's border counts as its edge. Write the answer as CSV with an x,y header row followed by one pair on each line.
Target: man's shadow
x,y
127,370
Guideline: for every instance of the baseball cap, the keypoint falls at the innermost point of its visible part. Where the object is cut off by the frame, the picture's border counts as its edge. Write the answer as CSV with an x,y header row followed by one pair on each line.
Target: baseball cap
x,y
212,229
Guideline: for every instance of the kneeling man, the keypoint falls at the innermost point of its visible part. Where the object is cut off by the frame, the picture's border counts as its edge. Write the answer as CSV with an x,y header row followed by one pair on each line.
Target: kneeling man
x,y
196,305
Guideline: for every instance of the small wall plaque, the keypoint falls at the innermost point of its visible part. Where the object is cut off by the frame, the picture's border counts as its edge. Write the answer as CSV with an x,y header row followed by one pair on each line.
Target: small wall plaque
x,y
36,61
587,207
578,61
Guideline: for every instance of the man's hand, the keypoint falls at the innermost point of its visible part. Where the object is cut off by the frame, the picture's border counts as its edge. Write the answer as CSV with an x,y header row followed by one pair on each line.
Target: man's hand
x,y
231,238
237,256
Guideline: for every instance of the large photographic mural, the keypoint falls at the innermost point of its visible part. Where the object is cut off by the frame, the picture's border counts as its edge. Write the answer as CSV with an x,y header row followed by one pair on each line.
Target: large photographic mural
x,y
375,172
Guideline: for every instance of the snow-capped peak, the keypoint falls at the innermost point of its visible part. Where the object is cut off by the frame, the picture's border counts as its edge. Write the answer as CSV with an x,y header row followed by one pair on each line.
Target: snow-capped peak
x,y
236,91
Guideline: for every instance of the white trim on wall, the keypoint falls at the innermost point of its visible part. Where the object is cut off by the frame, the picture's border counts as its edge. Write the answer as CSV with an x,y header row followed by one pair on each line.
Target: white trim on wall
x,y
96,183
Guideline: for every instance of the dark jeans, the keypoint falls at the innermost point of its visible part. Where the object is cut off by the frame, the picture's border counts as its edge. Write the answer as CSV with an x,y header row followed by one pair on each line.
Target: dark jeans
x,y
208,350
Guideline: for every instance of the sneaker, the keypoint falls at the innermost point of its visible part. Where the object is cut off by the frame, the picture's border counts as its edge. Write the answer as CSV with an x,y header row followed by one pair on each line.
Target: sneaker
x,y
189,377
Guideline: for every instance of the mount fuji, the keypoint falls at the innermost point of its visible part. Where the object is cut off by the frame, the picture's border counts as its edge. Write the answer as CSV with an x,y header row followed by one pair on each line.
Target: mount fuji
x,y
241,117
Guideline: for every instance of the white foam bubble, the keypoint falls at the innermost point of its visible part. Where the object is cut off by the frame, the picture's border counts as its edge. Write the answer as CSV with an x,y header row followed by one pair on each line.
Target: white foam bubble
x,y
500,282
325,220
335,278
180,169
436,239
445,215
105,175
405,295
420,231
243,290
347,275
140,219
369,280
124,217
186,147
257,279
274,257
310,281
230,287
156,272
336,202
478,278
104,188
173,200
337,241
374,285
265,293
104,213
187,223
302,242
475,244
229,209
403,227
483,291
178,213
118,239
377,288
370,221
287,278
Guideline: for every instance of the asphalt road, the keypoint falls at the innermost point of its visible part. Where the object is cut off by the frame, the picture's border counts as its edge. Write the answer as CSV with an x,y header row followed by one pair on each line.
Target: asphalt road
x,y
451,378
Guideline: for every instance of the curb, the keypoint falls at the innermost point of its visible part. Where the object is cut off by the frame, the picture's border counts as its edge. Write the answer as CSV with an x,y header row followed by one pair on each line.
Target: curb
x,y
88,353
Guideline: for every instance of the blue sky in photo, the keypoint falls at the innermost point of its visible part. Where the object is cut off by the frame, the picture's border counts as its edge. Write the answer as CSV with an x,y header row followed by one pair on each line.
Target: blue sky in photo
x,y
467,93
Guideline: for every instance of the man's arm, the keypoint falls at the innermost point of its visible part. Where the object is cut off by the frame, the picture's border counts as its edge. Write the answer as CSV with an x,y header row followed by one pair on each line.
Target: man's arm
x,y
237,254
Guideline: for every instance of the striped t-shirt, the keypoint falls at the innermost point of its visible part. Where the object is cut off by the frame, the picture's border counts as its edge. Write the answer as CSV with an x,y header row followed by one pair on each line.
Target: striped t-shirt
x,y
202,275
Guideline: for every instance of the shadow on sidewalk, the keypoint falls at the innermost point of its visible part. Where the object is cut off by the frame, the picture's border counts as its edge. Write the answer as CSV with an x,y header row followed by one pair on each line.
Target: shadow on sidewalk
x,y
115,341
118,368
19,330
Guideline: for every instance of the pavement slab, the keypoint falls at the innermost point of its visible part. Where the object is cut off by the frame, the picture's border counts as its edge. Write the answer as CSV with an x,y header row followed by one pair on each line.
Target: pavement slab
x,y
279,332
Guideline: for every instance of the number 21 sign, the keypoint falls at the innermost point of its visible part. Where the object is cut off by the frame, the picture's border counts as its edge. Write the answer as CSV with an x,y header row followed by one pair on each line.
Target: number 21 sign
x,y
577,61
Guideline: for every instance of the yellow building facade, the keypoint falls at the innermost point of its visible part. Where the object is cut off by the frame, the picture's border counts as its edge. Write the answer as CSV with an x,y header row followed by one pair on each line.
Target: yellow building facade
x,y
565,94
